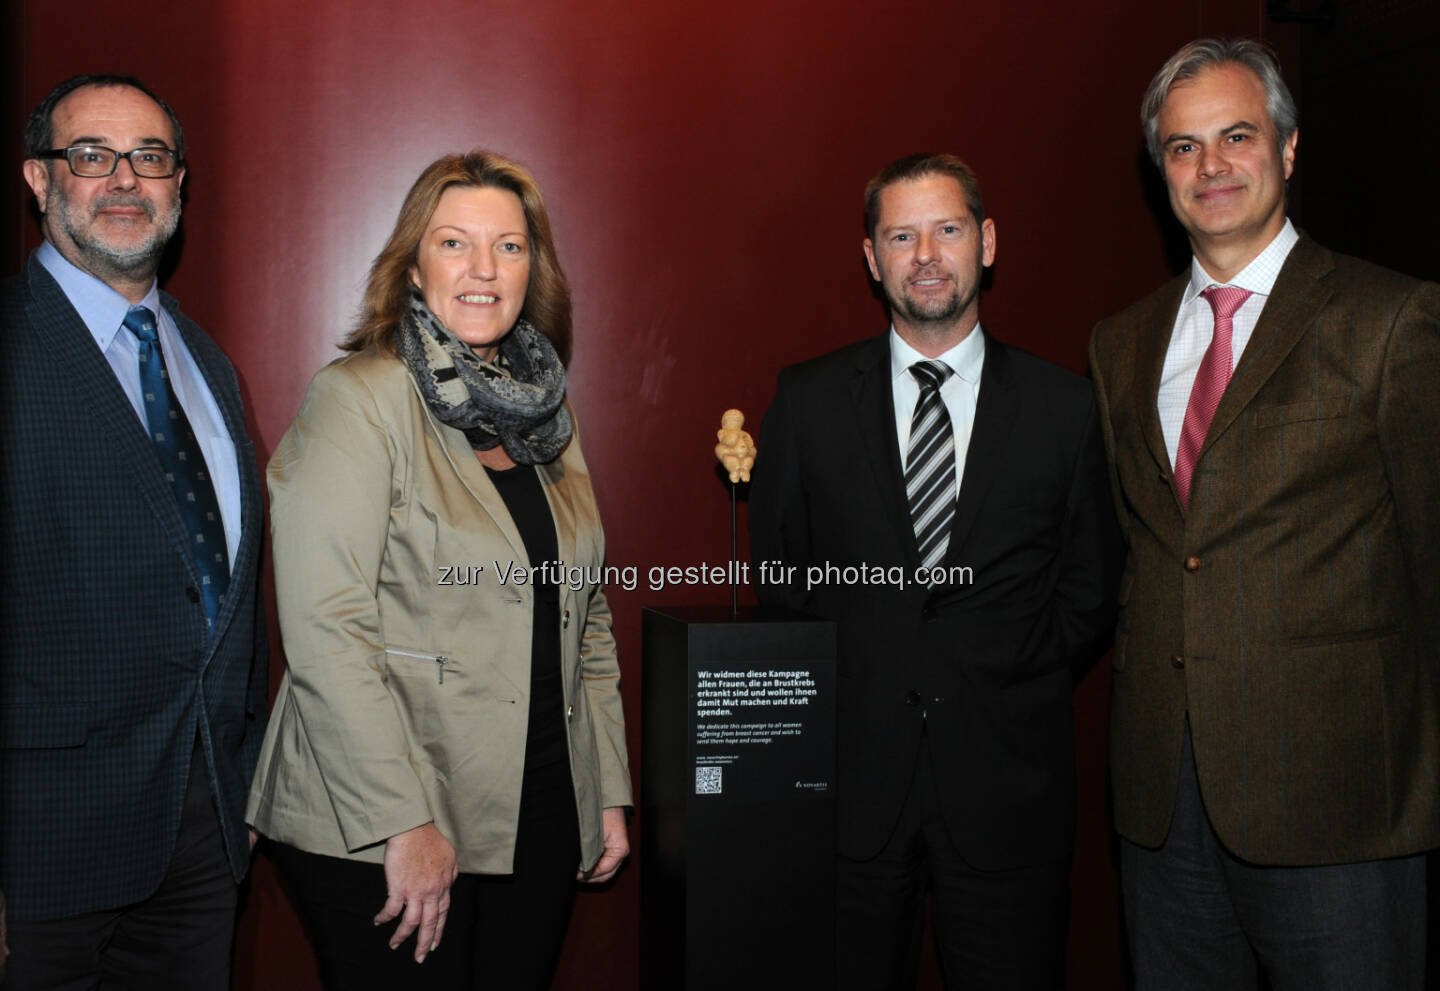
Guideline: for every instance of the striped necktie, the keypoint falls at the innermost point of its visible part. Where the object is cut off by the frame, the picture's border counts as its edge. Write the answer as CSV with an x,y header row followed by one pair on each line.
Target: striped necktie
x,y
930,464
184,465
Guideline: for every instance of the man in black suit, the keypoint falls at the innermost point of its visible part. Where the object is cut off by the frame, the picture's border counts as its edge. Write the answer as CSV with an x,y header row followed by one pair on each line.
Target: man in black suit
x,y
132,692
968,500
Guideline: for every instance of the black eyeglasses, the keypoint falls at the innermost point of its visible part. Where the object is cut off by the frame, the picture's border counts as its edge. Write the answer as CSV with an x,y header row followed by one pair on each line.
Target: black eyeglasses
x,y
97,161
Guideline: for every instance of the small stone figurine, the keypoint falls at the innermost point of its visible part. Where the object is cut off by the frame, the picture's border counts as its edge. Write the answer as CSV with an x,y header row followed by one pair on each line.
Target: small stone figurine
x,y
736,450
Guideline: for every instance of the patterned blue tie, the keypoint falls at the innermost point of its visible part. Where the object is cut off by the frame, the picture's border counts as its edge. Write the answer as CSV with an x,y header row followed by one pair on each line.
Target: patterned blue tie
x,y
184,465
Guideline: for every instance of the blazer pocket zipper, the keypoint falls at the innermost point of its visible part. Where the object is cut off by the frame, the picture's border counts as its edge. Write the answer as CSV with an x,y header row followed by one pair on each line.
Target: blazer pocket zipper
x,y
440,661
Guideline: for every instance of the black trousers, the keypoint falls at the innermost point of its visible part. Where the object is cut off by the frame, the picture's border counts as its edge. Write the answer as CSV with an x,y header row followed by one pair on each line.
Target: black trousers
x,y
179,938
1200,918
994,930
502,931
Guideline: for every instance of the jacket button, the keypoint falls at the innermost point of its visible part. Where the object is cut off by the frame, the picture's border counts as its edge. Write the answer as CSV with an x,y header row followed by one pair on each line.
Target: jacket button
x,y
1177,662
569,711
912,698
192,593
1192,564
565,620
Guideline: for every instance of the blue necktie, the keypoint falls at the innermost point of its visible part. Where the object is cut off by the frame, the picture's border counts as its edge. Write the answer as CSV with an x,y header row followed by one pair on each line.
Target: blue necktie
x,y
184,465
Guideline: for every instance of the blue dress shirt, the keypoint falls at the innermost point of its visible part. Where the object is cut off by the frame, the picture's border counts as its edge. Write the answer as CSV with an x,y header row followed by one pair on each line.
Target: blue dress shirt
x,y
103,310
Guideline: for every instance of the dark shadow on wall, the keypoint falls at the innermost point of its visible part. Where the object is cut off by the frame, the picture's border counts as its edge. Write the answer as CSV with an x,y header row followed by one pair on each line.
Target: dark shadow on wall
x,y
13,214
1370,133
1172,235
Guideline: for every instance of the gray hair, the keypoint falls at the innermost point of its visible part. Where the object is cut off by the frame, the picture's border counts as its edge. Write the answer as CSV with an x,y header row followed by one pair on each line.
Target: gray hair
x,y
1207,53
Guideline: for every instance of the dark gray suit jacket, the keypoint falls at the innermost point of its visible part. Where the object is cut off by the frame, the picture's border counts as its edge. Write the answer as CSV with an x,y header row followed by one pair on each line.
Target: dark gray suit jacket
x,y
107,673
1292,611
991,663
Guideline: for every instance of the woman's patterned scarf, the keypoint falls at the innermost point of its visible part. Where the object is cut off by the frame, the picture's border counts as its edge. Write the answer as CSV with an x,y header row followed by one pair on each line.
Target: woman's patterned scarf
x,y
516,401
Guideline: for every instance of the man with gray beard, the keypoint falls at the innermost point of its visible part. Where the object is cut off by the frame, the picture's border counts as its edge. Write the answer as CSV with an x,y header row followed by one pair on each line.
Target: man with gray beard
x,y
132,642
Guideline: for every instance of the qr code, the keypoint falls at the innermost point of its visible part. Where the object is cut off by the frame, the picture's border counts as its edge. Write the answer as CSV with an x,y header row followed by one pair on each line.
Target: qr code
x,y
707,780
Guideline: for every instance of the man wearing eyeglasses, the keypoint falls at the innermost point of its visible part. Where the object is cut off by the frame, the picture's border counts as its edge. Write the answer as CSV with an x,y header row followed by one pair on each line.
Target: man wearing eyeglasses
x,y
132,644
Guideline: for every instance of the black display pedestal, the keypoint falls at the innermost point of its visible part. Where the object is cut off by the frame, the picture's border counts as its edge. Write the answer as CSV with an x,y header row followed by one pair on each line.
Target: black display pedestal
x,y
738,818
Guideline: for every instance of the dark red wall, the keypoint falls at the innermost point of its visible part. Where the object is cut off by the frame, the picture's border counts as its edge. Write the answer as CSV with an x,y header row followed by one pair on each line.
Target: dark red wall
x,y
703,165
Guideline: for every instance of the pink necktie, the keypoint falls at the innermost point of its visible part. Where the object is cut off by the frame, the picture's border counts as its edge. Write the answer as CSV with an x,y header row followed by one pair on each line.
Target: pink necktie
x,y
1210,383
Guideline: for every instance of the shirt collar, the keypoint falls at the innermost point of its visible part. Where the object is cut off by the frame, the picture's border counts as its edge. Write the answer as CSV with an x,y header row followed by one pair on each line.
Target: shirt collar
x,y
965,359
101,308
1258,277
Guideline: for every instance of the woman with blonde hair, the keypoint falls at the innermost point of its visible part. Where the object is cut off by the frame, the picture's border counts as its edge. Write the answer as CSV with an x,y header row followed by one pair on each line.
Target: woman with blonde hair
x,y
448,745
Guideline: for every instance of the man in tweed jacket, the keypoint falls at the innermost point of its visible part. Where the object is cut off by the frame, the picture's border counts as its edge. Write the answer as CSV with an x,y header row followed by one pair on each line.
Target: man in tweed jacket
x,y
132,704
1275,730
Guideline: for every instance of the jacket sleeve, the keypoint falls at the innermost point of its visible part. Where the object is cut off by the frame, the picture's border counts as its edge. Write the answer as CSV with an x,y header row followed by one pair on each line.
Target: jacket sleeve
x,y
1091,556
257,692
1409,420
1107,428
600,675
257,695
600,672
779,519
331,481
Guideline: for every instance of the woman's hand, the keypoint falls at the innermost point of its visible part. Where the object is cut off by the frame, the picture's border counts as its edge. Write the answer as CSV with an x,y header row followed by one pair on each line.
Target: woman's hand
x,y
419,869
617,848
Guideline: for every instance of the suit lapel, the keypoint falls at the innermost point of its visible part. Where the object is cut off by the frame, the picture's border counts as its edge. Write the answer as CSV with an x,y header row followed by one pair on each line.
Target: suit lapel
x,y
89,378
996,410
1294,301
552,479
874,404
471,473
1153,331
217,380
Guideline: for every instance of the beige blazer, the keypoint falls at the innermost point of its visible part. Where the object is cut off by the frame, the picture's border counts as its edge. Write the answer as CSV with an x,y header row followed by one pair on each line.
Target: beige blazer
x,y
1291,612
407,690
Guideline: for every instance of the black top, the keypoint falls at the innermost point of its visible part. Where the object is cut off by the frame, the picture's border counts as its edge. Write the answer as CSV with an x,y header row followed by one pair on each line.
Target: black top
x,y
525,499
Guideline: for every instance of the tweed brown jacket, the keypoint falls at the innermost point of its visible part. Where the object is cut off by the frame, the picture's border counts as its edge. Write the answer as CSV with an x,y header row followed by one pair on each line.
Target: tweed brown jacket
x,y
1290,613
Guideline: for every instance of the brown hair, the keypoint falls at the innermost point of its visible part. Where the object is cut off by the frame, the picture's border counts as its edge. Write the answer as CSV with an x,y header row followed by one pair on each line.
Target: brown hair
x,y
387,291
922,166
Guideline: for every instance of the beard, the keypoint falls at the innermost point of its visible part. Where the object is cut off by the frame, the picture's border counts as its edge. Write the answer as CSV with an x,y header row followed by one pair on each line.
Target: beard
x,y
138,260
933,312
930,311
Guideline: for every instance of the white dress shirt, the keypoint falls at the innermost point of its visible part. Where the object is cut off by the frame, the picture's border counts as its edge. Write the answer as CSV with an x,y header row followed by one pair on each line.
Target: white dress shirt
x,y
960,392
1195,326
103,311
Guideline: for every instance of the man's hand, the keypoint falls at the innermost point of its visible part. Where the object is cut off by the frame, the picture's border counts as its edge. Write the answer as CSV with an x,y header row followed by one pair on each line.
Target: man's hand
x,y
419,869
617,848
